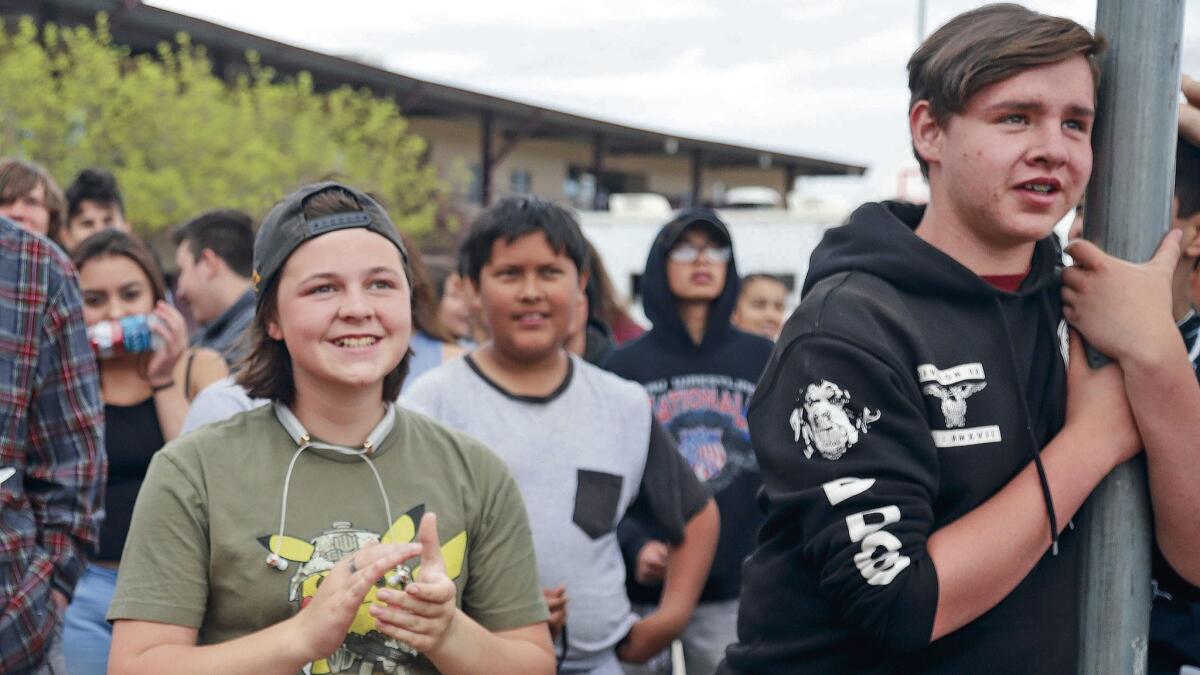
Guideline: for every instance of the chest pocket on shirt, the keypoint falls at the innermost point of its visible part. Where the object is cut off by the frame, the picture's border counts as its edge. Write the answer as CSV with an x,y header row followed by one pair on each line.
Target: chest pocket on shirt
x,y
596,497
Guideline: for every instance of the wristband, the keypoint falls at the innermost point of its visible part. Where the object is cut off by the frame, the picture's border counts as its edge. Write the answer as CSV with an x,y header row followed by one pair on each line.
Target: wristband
x,y
155,388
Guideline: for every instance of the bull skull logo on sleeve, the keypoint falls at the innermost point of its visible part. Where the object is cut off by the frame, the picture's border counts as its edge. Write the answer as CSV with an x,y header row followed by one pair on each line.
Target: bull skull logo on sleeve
x,y
826,423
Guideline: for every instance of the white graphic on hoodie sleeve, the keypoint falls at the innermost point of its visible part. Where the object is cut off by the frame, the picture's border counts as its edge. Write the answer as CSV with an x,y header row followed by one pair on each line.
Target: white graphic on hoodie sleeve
x,y
826,423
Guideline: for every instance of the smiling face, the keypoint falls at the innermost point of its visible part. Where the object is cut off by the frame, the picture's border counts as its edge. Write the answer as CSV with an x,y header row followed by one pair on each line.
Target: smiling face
x,y
343,310
529,294
114,286
703,278
760,307
1017,158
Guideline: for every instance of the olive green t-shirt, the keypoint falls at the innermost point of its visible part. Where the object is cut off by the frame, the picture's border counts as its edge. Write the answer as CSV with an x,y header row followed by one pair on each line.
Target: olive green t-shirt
x,y
210,508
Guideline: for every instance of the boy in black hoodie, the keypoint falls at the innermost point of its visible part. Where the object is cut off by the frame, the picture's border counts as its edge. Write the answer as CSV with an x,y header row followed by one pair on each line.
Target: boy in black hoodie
x,y
700,372
920,457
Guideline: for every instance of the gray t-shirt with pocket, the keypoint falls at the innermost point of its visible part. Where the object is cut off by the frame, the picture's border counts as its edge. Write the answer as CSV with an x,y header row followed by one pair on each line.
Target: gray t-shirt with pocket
x,y
580,456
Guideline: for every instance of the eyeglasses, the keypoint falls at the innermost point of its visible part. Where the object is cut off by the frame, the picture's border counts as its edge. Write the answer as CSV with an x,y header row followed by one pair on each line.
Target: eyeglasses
x,y
687,253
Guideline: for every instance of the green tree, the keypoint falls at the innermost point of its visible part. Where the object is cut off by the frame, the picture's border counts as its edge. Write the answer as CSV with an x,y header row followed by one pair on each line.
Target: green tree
x,y
181,140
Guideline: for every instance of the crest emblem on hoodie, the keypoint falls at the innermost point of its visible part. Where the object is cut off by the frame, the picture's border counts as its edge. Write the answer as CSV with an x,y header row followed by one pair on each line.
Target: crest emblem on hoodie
x,y
954,400
827,423
953,386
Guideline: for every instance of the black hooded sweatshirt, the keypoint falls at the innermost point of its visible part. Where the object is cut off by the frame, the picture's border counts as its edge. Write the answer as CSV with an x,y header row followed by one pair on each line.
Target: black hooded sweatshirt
x,y
903,393
700,393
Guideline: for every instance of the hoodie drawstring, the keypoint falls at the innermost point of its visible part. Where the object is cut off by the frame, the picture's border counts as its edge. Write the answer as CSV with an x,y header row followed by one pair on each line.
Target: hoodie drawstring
x,y
1033,444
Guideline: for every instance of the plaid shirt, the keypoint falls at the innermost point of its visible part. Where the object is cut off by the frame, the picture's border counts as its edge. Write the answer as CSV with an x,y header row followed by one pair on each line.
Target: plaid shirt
x,y
51,433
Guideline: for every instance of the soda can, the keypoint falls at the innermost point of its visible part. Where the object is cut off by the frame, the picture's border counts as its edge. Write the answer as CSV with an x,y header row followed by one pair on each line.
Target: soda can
x,y
127,335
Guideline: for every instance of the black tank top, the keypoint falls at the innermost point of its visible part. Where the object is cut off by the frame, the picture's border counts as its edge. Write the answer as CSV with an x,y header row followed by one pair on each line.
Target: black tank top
x,y
131,436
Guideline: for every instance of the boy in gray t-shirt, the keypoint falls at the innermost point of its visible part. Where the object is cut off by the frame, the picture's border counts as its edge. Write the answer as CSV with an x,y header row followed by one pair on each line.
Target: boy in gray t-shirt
x,y
581,442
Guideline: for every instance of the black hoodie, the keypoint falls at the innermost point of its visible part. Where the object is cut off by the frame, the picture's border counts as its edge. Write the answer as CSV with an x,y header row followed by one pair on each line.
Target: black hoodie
x,y
903,393
700,393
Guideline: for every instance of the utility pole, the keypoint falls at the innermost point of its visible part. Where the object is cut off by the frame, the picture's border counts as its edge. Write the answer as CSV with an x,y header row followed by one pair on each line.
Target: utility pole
x,y
1127,213
921,4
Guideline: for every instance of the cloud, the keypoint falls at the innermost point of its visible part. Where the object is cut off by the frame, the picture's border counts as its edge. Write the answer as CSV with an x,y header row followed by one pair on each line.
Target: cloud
x,y
410,17
765,103
553,14
805,11
436,64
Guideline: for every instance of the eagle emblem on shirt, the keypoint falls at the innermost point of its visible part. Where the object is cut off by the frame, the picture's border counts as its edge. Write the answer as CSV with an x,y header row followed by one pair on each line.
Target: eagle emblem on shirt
x,y
827,423
954,400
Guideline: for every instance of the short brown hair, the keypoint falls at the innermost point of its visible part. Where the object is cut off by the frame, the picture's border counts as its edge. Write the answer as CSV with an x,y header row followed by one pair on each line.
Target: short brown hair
x,y
266,370
18,178
986,45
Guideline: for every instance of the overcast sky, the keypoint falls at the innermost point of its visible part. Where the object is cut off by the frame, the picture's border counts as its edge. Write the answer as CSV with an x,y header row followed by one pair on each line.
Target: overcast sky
x,y
818,77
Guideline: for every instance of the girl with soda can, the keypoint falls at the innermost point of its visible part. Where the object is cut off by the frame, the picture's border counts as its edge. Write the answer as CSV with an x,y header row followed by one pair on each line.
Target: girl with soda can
x,y
147,378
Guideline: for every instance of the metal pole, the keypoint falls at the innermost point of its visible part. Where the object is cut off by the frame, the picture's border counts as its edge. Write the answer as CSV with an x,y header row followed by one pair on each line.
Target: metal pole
x,y
921,6
1127,212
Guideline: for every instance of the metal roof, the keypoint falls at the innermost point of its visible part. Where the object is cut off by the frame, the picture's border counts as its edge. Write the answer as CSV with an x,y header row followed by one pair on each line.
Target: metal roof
x,y
143,27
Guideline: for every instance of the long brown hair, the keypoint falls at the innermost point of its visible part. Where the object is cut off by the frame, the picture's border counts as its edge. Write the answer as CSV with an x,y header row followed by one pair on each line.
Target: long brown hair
x,y
111,242
266,370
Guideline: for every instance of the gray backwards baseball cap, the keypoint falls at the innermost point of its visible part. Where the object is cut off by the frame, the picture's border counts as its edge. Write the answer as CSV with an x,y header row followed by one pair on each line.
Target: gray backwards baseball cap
x,y
285,228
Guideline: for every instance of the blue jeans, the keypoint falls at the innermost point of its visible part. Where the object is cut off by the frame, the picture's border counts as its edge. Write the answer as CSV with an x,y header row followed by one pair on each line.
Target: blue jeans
x,y
87,635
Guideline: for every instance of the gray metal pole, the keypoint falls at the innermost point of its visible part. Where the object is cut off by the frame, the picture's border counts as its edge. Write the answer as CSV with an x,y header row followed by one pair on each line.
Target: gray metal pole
x,y
1127,212
920,21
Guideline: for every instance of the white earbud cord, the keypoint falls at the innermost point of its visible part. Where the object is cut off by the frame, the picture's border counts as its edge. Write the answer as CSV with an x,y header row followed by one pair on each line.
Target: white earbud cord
x,y
300,436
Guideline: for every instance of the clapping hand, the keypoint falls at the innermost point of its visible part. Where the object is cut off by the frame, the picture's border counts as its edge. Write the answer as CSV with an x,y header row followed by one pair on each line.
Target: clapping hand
x,y
422,614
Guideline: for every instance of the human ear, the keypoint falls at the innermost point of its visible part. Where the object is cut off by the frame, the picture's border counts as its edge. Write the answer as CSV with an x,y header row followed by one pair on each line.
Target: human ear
x,y
1191,236
274,331
471,295
1190,226
212,261
926,132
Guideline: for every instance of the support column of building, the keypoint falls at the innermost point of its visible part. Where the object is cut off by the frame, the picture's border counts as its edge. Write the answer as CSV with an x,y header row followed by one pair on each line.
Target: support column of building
x,y
598,199
789,180
513,139
697,177
485,159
